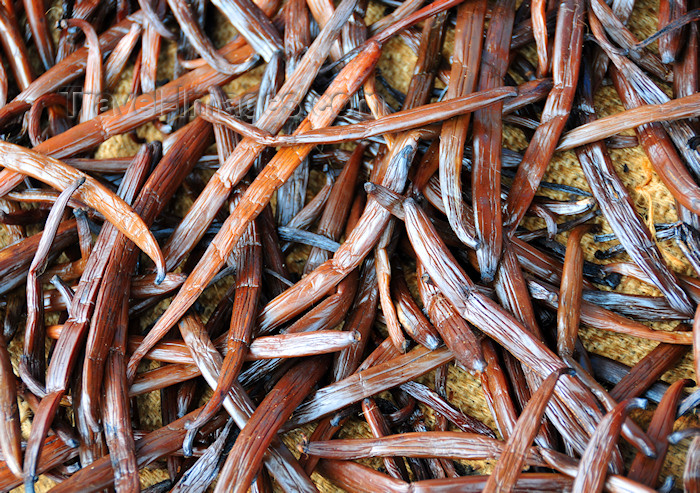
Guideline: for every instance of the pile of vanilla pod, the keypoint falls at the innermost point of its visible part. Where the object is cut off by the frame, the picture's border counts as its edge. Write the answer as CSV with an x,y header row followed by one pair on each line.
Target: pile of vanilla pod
x,y
306,261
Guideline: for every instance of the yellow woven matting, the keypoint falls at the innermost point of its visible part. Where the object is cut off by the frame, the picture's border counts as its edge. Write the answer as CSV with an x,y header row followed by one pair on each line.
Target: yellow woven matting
x,y
653,201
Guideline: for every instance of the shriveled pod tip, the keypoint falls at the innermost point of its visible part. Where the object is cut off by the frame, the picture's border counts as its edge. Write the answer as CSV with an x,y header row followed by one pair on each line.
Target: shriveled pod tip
x,y
680,435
